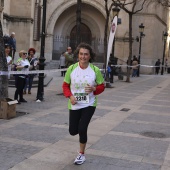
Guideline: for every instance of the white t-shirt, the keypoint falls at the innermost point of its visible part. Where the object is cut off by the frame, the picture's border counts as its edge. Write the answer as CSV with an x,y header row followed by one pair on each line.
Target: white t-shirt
x,y
78,78
23,63
8,59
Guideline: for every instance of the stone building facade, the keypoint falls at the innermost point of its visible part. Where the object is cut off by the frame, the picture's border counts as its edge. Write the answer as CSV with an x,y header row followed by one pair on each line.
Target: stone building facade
x,y
19,16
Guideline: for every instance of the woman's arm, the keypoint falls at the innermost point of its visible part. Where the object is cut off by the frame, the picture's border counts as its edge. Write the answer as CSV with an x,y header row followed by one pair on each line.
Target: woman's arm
x,y
19,67
98,89
66,90
68,94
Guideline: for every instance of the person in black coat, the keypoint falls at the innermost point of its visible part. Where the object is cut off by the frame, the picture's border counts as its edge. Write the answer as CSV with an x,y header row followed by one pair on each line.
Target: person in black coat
x,y
12,42
34,63
157,66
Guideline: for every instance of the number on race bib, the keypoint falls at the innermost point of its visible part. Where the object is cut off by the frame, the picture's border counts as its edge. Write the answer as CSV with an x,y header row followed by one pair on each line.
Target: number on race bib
x,y
82,97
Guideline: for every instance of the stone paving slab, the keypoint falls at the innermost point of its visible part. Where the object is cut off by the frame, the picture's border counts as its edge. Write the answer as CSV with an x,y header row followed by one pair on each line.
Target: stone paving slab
x,y
159,97
165,168
124,95
119,98
54,118
138,128
156,102
149,118
109,103
134,146
104,163
133,92
101,112
11,154
35,133
3,121
165,109
152,81
31,164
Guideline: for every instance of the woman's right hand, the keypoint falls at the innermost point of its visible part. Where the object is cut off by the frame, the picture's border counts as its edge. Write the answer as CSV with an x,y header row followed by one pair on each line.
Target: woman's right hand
x,y
26,66
73,100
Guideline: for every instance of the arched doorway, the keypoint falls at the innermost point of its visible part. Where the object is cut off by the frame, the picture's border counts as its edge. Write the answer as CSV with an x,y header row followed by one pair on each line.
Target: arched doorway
x,y
86,35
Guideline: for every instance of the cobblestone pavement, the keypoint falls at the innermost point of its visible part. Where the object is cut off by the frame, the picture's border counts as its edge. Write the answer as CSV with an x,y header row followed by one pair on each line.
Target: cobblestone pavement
x,y
39,140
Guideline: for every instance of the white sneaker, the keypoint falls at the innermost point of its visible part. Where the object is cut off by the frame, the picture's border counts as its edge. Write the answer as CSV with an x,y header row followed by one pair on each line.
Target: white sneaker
x,y
80,159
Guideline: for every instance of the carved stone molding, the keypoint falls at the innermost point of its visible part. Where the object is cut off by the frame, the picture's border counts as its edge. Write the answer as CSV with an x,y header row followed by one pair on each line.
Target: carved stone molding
x,y
17,18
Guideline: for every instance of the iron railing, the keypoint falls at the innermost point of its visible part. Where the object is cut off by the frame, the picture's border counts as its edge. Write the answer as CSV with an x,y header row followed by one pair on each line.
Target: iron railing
x,y
60,44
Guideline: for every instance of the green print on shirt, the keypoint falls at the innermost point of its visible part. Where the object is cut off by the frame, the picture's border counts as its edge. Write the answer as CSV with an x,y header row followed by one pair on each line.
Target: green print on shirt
x,y
78,86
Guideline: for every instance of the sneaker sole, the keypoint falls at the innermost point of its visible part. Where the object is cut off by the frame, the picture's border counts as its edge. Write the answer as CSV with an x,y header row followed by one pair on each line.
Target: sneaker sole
x,y
76,163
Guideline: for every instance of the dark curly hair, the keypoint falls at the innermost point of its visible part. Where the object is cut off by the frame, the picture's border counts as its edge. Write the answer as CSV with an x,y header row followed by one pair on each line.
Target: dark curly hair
x,y
88,47
32,49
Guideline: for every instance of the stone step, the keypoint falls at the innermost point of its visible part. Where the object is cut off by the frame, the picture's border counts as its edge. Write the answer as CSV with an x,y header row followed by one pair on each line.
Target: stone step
x,y
47,80
52,65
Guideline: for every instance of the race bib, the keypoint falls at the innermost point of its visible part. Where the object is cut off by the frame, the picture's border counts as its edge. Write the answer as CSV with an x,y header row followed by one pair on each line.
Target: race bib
x,y
82,97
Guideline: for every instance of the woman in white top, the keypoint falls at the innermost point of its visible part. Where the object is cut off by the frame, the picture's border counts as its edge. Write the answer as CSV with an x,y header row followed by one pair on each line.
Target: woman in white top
x,y
22,65
8,58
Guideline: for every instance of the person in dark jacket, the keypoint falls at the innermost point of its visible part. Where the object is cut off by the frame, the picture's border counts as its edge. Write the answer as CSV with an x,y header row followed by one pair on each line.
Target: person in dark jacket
x,y
157,66
33,63
69,57
12,42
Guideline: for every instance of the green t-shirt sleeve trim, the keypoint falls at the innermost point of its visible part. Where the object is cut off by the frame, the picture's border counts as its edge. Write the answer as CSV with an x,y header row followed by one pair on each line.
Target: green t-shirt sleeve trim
x,y
99,76
67,78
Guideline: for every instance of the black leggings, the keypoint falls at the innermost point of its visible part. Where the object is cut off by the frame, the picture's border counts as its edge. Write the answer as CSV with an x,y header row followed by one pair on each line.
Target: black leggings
x,y
19,84
79,121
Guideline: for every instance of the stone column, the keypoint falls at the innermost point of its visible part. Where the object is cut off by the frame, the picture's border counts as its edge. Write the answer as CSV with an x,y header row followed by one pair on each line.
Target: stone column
x,y
3,62
1,9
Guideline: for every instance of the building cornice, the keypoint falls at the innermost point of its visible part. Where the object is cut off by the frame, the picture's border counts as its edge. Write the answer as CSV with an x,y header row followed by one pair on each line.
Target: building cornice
x,y
152,15
17,18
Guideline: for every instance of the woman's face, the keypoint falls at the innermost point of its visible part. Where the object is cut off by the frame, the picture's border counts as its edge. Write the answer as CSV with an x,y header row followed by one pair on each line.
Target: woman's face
x,y
24,55
31,53
7,50
84,56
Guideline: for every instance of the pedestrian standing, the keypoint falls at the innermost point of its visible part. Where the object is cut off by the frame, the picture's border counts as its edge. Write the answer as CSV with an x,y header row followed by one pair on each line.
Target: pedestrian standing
x,y
8,58
62,63
16,77
166,65
129,64
82,82
12,42
22,65
109,72
157,66
33,63
69,57
134,67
